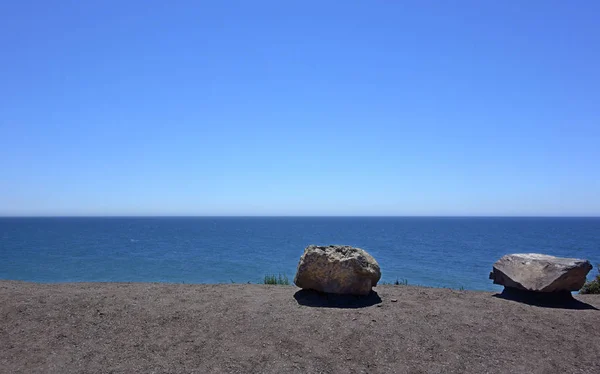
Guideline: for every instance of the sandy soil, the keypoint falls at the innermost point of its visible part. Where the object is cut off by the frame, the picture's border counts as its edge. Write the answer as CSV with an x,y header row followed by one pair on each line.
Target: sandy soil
x,y
158,328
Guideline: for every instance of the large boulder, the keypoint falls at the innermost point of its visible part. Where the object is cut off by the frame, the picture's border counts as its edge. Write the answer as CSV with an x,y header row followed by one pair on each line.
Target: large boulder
x,y
540,273
338,269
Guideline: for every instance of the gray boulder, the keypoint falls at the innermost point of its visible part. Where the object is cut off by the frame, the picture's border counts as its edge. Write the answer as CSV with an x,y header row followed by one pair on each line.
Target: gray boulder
x,y
540,273
337,269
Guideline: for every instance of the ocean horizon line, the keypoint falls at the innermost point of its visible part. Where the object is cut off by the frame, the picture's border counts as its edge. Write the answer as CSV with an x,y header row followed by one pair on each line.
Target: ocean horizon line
x,y
296,216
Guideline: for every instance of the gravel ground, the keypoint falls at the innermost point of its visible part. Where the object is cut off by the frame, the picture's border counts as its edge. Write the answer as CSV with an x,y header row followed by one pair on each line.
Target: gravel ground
x,y
238,328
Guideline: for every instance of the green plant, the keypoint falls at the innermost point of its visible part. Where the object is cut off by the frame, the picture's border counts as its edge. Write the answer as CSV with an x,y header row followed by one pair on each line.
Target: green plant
x,y
397,282
593,286
276,279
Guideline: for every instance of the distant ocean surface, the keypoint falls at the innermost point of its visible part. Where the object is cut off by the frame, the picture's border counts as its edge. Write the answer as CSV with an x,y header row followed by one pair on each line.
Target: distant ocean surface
x,y
439,252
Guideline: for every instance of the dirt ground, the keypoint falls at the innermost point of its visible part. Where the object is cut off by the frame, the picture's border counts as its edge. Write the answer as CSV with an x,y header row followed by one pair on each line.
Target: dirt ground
x,y
160,328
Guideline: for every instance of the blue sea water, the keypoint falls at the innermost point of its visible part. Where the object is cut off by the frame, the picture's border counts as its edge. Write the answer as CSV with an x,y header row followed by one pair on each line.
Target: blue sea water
x,y
439,252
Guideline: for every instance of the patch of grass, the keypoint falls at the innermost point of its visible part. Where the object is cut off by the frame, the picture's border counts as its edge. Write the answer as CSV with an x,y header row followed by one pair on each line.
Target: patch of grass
x,y
397,282
276,279
404,282
593,286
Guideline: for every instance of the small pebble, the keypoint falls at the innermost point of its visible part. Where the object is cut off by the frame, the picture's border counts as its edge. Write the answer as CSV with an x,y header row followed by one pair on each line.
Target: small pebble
x,y
394,300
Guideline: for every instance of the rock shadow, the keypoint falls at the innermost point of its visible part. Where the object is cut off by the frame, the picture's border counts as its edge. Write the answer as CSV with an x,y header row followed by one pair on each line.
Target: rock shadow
x,y
327,300
559,300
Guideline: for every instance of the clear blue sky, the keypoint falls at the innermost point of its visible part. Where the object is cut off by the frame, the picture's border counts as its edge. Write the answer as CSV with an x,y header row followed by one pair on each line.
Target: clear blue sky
x,y
299,108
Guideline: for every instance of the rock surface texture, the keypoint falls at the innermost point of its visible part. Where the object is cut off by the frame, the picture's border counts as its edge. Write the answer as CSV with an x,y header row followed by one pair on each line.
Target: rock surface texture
x,y
540,273
337,269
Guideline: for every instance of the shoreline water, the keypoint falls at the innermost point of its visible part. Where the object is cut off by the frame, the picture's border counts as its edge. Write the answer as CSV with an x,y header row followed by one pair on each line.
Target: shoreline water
x,y
435,252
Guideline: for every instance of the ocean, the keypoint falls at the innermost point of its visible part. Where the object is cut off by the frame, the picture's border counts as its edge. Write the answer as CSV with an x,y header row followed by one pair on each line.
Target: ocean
x,y
438,252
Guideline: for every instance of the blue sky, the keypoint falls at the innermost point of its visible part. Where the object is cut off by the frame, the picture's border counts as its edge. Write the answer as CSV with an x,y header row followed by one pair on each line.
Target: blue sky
x,y
299,108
